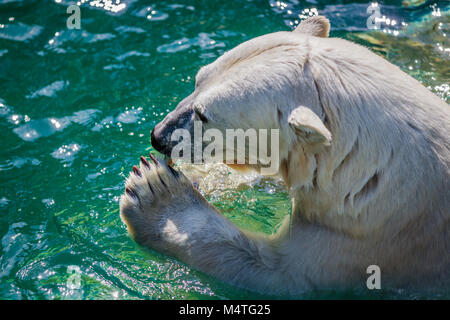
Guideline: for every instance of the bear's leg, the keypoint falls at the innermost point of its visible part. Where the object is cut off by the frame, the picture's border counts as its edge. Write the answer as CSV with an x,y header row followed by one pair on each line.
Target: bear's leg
x,y
164,212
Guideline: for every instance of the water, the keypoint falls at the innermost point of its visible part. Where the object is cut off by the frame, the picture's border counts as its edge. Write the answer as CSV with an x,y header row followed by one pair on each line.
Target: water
x,y
77,107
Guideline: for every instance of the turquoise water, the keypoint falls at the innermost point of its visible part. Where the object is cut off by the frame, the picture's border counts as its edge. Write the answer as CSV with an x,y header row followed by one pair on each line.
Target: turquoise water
x,y
77,108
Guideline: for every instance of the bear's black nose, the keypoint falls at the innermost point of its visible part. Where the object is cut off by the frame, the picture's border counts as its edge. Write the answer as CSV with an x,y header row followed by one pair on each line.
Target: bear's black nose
x,y
156,143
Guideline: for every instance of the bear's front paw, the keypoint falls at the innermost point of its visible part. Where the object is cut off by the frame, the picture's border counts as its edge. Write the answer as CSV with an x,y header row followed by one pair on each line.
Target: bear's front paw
x,y
156,200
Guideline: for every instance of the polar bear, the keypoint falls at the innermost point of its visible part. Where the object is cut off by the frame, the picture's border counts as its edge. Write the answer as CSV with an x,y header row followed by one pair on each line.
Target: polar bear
x,y
364,151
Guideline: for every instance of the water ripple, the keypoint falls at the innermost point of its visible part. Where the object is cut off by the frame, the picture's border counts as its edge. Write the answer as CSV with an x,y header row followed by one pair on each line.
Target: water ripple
x,y
35,129
49,90
66,153
203,40
19,31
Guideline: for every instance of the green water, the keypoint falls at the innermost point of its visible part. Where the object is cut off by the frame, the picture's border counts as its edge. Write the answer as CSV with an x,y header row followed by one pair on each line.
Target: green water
x,y
77,107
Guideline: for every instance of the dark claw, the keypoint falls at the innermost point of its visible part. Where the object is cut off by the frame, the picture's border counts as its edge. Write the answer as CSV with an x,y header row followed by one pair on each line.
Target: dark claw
x,y
145,162
195,184
155,161
162,181
174,172
131,193
150,187
137,171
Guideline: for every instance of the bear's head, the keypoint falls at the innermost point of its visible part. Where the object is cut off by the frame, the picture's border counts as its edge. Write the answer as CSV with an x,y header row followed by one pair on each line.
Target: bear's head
x,y
351,126
263,83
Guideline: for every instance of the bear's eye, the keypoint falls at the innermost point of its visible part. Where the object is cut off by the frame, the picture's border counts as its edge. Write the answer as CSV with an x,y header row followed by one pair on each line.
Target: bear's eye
x,y
201,116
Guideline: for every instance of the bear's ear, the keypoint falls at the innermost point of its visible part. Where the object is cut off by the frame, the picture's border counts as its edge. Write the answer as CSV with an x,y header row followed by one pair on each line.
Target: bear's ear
x,y
308,127
317,26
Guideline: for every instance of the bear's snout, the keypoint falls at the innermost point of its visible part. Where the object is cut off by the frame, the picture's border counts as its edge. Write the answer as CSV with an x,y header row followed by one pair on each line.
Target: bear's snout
x,y
157,142
180,118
